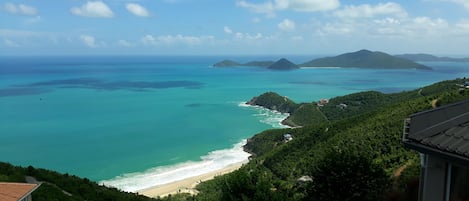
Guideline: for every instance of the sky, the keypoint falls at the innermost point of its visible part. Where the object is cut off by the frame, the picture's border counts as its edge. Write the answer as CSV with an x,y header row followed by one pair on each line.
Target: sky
x,y
232,27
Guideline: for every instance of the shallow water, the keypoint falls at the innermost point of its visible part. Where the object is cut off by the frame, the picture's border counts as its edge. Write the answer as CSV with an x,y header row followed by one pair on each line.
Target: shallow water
x,y
109,118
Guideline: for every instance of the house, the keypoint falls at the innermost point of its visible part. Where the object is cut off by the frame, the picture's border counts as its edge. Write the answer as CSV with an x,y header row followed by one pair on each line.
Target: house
x,y
287,137
324,101
342,106
466,85
441,136
16,191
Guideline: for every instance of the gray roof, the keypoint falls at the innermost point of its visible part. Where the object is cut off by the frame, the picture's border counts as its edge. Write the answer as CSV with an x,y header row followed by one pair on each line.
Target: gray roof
x,y
443,131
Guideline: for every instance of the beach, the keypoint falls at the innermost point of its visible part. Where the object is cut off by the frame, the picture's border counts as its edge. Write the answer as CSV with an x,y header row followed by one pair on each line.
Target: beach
x,y
187,185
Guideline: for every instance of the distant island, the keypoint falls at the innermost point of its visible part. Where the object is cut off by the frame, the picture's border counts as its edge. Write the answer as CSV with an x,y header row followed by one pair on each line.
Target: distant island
x,y
366,59
429,57
230,63
358,59
281,64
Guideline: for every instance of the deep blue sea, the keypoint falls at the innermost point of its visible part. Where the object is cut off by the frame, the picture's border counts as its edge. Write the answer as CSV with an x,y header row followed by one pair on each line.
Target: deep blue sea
x,y
136,121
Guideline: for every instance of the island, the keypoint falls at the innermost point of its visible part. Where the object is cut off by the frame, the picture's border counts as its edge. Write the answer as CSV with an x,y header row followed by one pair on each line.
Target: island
x,y
359,59
365,59
231,63
430,58
283,64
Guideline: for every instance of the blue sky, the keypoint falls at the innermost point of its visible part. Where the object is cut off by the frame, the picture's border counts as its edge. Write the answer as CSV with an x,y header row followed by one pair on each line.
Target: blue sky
x,y
226,27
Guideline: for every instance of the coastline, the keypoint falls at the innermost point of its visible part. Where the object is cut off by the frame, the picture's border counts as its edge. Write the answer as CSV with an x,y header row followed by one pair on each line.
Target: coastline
x,y
184,177
188,185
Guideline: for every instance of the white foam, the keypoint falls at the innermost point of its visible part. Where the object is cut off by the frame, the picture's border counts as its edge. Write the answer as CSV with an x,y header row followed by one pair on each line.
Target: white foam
x,y
213,161
271,117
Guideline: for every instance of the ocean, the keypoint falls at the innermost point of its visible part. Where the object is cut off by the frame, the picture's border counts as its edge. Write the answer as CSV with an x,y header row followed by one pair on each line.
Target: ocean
x,y
136,121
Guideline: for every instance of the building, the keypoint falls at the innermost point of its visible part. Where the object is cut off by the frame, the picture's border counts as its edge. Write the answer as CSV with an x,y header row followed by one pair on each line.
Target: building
x,y
287,137
441,135
16,191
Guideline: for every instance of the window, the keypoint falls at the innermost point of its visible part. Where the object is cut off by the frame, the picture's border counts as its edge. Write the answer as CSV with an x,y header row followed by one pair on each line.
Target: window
x,y
459,189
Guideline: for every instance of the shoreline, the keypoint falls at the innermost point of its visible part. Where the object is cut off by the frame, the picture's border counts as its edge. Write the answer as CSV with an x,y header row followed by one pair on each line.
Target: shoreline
x,y
188,185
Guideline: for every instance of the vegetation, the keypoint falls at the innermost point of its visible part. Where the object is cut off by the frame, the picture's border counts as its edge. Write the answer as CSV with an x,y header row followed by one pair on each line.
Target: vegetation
x,y
356,155
283,64
64,187
351,153
365,59
429,57
273,101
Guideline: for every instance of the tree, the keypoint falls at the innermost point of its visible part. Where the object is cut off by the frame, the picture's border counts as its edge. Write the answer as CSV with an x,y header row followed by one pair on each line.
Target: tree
x,y
347,176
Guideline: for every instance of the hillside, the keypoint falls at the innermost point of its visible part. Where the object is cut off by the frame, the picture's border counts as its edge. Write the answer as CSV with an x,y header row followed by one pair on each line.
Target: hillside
x,y
64,187
365,59
226,63
429,57
366,134
315,165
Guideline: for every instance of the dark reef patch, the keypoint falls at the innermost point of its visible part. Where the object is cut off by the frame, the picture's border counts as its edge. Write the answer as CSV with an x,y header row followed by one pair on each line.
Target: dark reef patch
x,y
23,91
91,83
97,84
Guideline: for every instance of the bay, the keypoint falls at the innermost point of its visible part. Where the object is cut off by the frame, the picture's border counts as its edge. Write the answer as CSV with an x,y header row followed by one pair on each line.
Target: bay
x,y
114,117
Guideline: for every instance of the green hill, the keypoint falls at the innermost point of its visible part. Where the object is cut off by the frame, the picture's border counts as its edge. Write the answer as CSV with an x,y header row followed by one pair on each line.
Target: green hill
x,y
347,149
429,57
365,59
367,134
283,64
226,63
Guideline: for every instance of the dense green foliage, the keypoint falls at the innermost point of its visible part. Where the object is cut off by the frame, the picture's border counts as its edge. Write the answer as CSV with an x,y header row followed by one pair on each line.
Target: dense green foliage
x,y
274,101
64,187
344,175
283,64
368,132
365,59
429,57
226,63
351,153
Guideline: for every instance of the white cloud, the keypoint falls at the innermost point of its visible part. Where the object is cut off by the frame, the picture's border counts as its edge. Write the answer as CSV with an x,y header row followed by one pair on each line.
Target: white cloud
x,y
88,41
265,8
137,10
227,30
148,40
175,39
247,36
20,9
10,43
369,11
308,5
188,40
464,3
461,28
93,9
286,25
270,6
124,43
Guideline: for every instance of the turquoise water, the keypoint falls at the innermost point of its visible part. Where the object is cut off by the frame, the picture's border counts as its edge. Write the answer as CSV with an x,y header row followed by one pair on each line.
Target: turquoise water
x,y
121,119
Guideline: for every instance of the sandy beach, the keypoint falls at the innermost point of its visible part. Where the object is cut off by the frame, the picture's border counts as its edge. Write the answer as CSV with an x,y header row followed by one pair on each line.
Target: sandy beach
x,y
187,185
